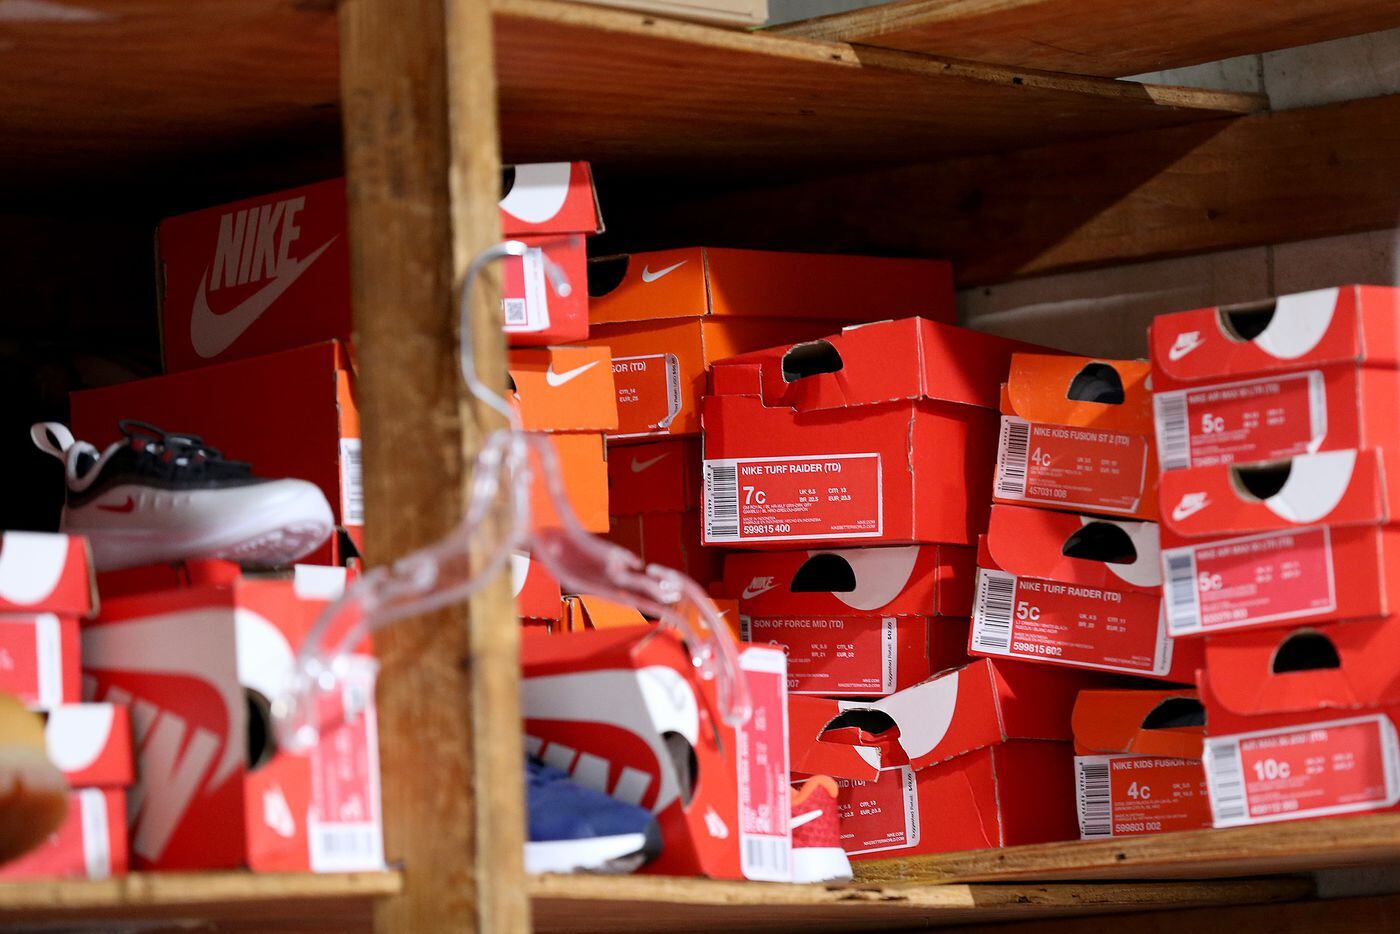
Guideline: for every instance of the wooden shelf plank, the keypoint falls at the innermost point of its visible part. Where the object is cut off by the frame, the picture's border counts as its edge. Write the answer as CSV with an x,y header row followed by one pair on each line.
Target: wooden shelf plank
x,y
583,904
1098,37
655,96
241,897
1288,847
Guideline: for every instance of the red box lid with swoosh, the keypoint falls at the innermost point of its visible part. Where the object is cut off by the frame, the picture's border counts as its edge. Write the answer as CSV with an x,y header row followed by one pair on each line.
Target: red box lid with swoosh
x,y
663,476
613,706
200,665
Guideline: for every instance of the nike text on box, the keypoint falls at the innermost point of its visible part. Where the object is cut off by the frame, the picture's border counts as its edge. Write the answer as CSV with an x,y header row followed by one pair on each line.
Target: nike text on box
x,y
668,316
976,757
882,434
1076,434
609,706
46,587
204,663
287,414
857,622
1074,590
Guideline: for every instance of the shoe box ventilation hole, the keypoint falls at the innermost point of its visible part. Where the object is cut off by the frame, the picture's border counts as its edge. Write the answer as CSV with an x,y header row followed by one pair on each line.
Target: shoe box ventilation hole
x,y
1097,382
507,181
1306,650
870,722
824,574
685,762
1260,481
810,359
1246,322
1175,713
262,742
1101,541
605,274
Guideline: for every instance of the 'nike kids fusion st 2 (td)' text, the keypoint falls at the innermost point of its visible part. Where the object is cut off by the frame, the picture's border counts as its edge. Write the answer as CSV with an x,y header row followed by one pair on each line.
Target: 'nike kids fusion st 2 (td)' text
x,y
156,496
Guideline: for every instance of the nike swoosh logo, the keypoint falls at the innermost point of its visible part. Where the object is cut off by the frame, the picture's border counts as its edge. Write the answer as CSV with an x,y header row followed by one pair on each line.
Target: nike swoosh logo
x,y
1189,506
211,334
127,506
639,466
799,819
750,592
559,379
1180,349
649,276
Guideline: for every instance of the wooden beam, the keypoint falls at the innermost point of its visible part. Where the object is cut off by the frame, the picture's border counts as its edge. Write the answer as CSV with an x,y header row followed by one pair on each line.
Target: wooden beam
x,y
1267,178
456,835
1098,37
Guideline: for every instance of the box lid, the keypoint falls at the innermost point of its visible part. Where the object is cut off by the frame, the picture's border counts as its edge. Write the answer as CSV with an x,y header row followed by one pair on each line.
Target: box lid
x,y
1073,549
1148,723
888,361
1082,392
537,594
951,714
1351,323
586,611
1339,488
91,744
45,573
564,388
659,476
914,580
549,198
699,281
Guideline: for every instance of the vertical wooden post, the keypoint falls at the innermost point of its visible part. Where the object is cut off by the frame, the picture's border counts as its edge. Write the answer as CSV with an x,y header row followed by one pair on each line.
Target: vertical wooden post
x,y
422,163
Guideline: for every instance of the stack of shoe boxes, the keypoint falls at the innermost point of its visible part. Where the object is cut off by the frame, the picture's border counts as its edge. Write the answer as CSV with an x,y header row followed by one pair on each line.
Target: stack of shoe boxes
x,y
1277,426
46,590
873,450
1069,570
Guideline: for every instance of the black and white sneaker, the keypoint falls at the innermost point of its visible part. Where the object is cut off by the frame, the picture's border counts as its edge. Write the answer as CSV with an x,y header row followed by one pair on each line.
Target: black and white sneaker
x,y
155,497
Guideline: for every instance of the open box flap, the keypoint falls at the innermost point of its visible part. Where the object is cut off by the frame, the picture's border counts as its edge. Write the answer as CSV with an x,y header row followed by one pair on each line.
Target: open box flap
x,y
1064,390
1115,722
1070,548
549,198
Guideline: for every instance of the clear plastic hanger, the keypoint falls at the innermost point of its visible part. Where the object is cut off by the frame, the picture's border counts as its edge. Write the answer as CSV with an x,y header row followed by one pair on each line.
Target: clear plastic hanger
x,y
497,524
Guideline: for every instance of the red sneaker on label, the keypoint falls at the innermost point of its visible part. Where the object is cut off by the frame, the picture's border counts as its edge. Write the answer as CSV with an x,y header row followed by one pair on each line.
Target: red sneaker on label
x,y
817,855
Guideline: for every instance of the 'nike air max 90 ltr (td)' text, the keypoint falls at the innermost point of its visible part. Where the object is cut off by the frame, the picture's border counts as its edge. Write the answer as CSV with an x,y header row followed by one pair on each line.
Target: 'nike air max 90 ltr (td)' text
x,y
574,828
156,496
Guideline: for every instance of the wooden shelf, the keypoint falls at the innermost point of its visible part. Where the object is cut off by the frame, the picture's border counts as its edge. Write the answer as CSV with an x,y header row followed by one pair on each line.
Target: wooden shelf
x,y
1288,847
1098,37
213,89
237,898
583,904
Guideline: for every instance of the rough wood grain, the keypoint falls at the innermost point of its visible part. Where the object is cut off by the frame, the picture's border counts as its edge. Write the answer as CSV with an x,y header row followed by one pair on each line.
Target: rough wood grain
x,y
656,96
583,904
1266,178
406,232
1288,847
1098,37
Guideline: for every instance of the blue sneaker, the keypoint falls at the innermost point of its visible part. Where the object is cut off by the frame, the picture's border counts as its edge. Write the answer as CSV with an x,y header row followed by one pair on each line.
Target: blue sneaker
x,y
573,828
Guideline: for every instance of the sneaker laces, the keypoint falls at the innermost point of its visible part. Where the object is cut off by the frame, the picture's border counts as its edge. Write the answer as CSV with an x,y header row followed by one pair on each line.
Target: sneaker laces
x,y
83,462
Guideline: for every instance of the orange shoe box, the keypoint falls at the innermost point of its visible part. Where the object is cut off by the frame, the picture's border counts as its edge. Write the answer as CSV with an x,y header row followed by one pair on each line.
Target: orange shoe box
x,y
973,758
46,588
883,434
584,611
861,622
1137,764
669,315
1076,434
1302,723
1063,589
1303,374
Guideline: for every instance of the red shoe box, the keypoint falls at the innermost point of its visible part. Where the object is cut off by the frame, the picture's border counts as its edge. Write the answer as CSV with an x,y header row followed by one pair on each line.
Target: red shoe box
x,y
976,757
1074,590
1061,448
668,316
670,539
882,434
46,587
198,666
289,414
1137,763
861,622
567,393
663,476
272,273
610,706
91,745
538,600
1302,724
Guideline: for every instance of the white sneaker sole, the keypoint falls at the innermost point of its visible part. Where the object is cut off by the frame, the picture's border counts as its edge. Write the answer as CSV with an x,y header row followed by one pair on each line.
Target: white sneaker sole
x,y
820,864
596,854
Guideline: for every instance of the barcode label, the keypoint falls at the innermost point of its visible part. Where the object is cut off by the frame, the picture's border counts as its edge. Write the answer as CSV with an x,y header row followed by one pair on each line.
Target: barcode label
x,y
352,483
1012,457
345,847
514,311
766,858
1173,430
721,502
1183,600
1225,782
991,615
1093,796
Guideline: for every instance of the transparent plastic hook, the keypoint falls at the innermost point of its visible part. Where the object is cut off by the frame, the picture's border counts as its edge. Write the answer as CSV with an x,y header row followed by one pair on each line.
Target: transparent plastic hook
x,y
496,525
